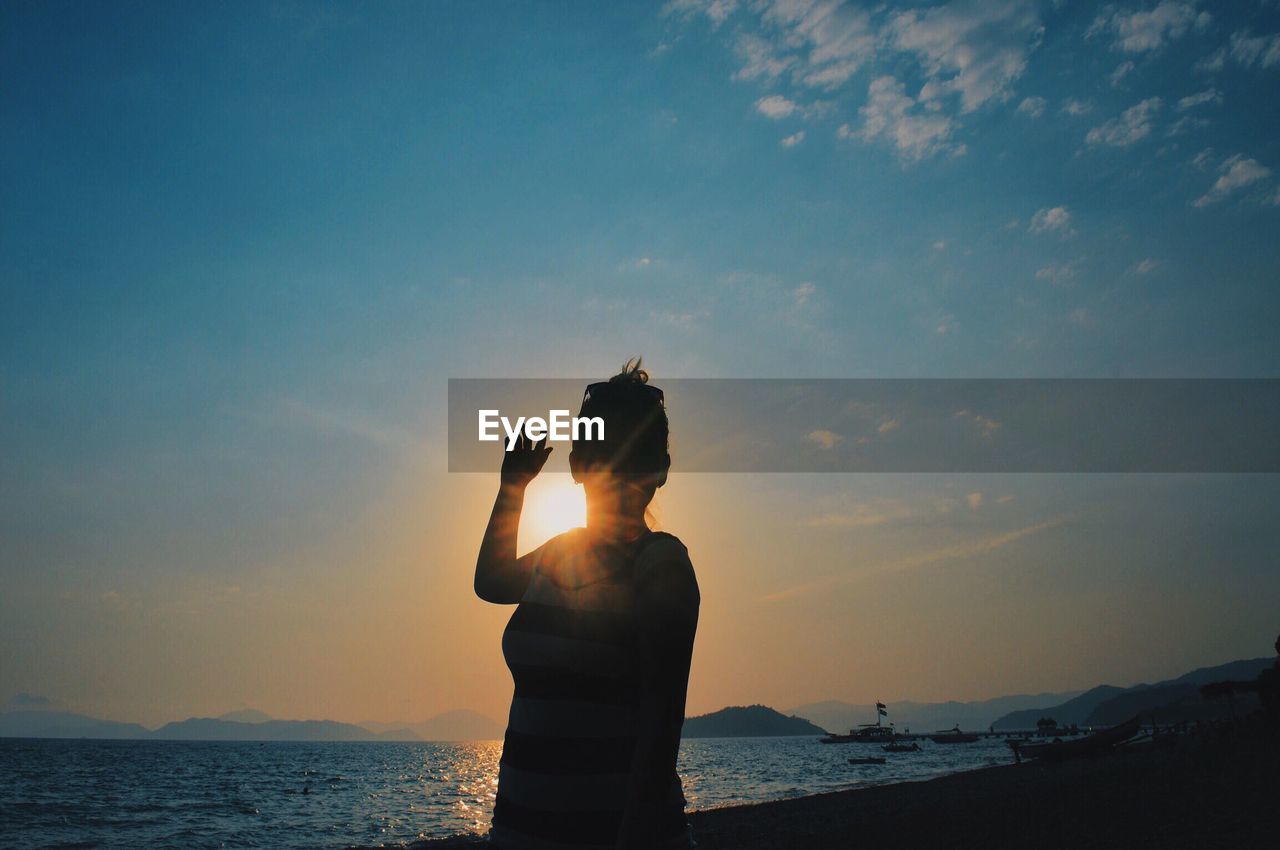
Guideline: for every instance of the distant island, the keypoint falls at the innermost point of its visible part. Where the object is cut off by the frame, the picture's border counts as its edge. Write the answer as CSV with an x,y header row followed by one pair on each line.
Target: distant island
x,y
752,721
242,725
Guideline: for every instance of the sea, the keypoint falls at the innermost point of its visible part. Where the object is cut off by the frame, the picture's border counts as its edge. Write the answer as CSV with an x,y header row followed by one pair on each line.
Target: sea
x,y
159,794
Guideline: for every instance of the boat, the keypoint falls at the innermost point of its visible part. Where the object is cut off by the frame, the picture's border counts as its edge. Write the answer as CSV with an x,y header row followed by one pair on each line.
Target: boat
x,y
869,733
1098,742
953,736
872,733
867,760
899,747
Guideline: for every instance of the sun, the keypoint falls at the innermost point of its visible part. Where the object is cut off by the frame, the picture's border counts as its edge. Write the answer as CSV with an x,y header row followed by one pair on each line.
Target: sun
x,y
552,504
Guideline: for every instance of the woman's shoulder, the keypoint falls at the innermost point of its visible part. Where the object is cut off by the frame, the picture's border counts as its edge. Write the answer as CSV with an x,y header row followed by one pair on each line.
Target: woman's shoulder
x,y
662,547
664,565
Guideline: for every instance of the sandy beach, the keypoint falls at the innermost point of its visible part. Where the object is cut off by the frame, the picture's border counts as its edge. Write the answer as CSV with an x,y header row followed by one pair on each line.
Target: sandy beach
x,y
1207,792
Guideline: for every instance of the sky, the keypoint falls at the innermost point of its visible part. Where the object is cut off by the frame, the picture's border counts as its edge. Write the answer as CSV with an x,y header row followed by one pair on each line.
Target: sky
x,y
243,248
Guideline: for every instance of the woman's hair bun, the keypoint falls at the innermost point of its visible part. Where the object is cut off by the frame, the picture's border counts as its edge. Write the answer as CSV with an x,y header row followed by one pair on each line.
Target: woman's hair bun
x,y
631,373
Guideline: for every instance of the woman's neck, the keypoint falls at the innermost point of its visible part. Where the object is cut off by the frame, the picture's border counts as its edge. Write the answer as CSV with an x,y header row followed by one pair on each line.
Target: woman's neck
x,y
606,522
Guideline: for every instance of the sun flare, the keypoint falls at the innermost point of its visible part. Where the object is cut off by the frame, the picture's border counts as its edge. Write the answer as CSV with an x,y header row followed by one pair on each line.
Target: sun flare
x,y
553,504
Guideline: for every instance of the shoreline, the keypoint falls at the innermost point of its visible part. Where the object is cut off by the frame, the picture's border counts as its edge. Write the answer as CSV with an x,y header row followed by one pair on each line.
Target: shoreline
x,y
1215,790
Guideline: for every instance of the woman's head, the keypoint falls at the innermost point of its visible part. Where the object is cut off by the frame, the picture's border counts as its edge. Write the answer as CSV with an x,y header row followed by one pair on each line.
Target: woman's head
x,y
634,450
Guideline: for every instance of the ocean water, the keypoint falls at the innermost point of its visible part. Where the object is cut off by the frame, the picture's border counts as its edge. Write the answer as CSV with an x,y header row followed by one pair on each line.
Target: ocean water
x,y
156,794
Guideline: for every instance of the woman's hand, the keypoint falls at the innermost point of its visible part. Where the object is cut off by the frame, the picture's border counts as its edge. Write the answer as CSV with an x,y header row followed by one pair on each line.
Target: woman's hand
x,y
501,577
522,463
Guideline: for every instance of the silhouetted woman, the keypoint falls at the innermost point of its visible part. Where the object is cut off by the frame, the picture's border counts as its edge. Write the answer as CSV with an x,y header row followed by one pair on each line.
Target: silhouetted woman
x,y
599,644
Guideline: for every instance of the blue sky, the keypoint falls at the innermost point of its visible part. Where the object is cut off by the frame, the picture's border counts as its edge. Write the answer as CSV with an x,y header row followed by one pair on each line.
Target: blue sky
x,y
243,248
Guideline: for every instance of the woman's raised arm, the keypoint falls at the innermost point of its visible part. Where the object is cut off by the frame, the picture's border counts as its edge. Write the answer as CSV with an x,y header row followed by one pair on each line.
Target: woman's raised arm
x,y
501,577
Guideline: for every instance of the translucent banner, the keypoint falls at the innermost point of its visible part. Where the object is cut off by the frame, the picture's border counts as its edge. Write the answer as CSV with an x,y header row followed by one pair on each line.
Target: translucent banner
x,y
905,425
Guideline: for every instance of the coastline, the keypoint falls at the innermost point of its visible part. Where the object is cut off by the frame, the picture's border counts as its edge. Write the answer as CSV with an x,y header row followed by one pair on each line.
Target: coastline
x,y
1216,790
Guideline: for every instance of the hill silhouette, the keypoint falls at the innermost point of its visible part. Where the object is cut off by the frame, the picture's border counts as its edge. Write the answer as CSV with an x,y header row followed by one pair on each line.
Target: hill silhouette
x,y
64,724
1075,710
458,725
246,715
752,721
213,729
1173,700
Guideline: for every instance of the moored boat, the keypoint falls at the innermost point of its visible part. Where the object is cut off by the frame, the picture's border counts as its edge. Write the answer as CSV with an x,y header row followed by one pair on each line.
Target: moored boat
x,y
870,733
898,747
867,760
953,736
1088,745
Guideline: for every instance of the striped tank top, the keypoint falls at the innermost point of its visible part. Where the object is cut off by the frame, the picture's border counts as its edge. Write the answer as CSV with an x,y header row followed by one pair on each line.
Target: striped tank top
x,y
576,646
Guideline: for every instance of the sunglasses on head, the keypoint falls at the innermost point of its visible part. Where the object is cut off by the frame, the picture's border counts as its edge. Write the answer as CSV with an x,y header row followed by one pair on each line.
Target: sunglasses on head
x,y
602,386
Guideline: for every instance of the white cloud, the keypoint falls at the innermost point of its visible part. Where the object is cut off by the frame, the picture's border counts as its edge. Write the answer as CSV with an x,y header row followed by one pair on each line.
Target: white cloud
x,y
776,106
759,60
1131,126
1191,101
1274,200
1051,219
1074,106
1147,266
717,11
1033,106
823,439
1237,173
973,48
1186,124
1141,31
1202,159
1264,50
1122,70
940,245
893,116
802,293
1056,274
792,140
835,39
967,52
985,425
1213,62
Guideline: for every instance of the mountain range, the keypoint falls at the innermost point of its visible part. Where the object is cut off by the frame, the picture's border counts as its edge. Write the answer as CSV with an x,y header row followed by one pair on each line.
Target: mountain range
x,y
246,725
1105,705
1169,701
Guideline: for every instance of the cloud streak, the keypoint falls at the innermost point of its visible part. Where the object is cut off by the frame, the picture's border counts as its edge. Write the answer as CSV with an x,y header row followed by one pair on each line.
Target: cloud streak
x,y
1133,125
1237,173
959,56
955,552
1051,220
1149,29
895,117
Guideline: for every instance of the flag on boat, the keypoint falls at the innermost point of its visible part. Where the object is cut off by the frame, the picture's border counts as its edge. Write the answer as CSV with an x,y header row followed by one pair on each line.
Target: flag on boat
x,y
881,710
